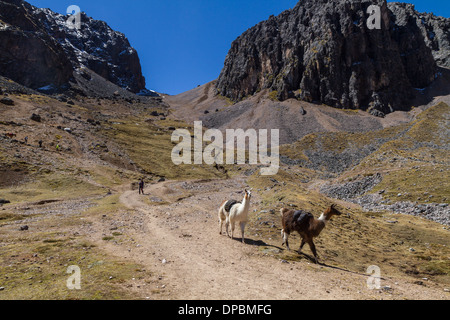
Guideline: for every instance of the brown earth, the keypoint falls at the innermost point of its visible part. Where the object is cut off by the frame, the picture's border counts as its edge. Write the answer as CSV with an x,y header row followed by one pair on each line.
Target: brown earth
x,y
172,231
293,117
179,240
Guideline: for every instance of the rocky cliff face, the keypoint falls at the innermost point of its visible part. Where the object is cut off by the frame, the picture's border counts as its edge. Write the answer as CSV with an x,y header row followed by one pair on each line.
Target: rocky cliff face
x,y
38,49
435,30
323,51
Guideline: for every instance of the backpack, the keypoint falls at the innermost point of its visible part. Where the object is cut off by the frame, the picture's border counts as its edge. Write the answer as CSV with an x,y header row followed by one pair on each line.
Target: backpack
x,y
230,204
302,217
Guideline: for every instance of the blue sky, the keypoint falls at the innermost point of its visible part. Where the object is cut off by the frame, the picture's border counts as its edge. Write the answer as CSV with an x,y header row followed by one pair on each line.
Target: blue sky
x,y
183,43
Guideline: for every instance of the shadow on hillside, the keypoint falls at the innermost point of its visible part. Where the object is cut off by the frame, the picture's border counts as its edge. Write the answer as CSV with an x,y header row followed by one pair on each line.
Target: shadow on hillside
x,y
439,87
257,243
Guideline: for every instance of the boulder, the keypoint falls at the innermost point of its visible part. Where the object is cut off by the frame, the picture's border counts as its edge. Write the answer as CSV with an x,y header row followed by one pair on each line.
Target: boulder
x,y
7,101
36,117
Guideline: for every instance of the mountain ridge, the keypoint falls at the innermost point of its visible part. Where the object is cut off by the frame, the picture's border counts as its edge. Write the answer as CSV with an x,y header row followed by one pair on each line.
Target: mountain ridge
x,y
322,51
70,165
39,40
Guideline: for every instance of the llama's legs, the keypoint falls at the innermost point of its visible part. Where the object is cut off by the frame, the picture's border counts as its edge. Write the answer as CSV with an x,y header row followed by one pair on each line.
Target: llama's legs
x,y
220,221
313,249
227,223
301,245
242,231
285,236
232,229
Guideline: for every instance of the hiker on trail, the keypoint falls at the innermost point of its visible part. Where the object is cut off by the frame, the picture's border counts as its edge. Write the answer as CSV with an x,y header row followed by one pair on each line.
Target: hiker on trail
x,y
141,186
26,140
40,143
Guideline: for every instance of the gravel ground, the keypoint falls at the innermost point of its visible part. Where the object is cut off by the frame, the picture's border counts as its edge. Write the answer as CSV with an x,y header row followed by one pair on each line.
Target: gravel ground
x,y
356,192
438,212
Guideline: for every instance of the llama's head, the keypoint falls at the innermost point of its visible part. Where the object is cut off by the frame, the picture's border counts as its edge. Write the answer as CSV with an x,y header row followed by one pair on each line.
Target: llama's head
x,y
331,211
248,194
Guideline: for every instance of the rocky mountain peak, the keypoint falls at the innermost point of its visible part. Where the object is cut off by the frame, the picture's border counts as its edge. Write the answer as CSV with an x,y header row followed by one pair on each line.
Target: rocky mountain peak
x,y
324,51
40,40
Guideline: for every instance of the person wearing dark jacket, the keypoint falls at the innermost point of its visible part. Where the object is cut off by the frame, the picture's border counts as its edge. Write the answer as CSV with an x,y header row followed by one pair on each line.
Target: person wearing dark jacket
x,y
141,186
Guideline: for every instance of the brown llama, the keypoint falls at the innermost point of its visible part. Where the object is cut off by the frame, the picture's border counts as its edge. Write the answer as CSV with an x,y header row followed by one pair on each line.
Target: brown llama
x,y
306,225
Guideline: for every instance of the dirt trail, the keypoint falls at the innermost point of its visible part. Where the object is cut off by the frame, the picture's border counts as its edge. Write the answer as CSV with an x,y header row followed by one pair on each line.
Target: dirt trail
x,y
177,237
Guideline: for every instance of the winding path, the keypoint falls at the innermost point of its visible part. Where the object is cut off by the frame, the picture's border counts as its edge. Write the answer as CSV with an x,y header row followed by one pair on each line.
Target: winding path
x,y
176,236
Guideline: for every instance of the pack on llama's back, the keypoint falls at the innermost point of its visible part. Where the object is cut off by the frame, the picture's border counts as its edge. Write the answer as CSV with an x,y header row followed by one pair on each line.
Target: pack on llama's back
x,y
232,211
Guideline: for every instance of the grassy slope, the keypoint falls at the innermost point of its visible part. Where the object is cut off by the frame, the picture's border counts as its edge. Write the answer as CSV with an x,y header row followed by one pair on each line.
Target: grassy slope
x,y
413,158
149,145
357,239
421,165
34,264
413,161
352,242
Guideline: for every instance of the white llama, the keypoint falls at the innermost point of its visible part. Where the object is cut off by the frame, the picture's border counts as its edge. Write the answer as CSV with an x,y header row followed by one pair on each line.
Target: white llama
x,y
232,211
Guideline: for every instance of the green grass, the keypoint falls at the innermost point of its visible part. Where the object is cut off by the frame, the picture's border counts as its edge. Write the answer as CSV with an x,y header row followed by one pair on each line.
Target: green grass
x,y
33,264
37,269
424,184
432,125
108,204
273,95
39,99
338,142
412,157
7,217
149,145
415,165
354,240
413,161
51,186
